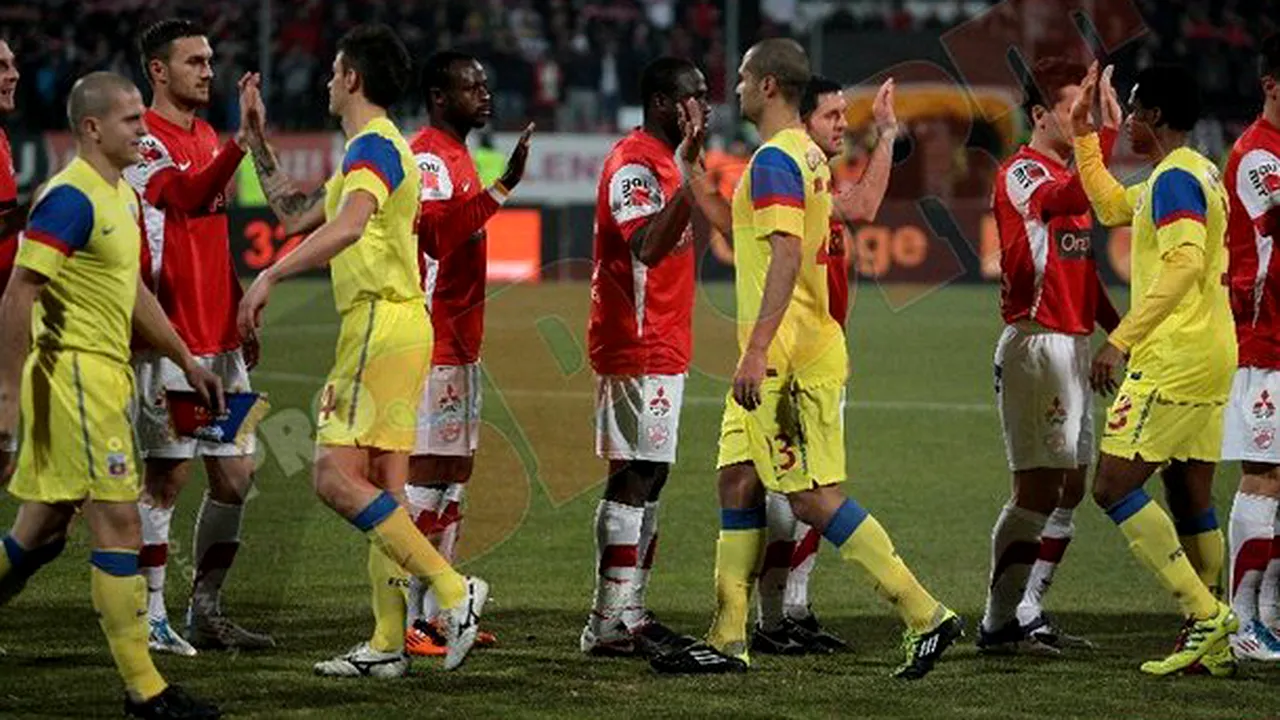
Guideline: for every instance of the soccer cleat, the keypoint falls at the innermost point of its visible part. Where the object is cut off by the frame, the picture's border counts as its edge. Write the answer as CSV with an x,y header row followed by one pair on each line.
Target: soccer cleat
x,y
217,632
486,639
462,623
778,641
924,649
614,642
652,638
1012,639
1047,632
173,703
1197,639
1216,663
163,639
813,636
1256,642
364,661
424,639
698,659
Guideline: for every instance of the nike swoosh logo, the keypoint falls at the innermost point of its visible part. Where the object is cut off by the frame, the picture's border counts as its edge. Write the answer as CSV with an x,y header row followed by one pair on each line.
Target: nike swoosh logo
x,y
182,167
108,230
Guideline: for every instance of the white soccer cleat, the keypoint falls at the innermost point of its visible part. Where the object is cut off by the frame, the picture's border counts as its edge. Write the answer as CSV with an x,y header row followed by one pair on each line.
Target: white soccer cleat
x,y
462,623
618,643
163,639
364,661
1256,642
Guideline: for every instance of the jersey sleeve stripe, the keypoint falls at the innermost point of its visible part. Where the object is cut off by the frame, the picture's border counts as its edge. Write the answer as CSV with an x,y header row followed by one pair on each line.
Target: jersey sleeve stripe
x,y
377,154
48,240
760,203
63,216
1177,196
775,174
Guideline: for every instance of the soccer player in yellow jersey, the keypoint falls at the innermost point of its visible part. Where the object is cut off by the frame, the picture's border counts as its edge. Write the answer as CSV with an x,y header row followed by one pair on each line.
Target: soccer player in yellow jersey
x,y
783,425
364,230
76,276
1179,338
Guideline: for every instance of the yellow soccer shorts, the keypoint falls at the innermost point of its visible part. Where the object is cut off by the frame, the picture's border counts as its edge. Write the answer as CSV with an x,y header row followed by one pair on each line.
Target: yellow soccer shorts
x,y
371,396
795,438
77,440
1143,422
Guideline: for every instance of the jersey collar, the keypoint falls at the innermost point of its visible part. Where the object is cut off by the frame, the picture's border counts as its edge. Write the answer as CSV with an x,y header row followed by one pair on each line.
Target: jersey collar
x,y
378,124
1028,150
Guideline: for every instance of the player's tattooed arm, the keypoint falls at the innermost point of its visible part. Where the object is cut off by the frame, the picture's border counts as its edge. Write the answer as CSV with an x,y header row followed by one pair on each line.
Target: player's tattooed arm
x,y
298,211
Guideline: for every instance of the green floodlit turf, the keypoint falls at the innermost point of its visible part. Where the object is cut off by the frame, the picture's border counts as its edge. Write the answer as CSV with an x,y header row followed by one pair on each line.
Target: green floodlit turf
x,y
924,455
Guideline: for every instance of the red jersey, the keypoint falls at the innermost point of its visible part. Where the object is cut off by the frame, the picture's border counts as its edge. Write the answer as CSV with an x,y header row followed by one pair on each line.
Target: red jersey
x,y
186,257
451,243
8,201
1047,270
1253,184
641,317
837,272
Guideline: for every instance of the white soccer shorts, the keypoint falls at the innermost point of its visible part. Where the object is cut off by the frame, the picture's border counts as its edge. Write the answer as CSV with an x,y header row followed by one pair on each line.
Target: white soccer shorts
x,y
1250,422
155,374
1046,405
449,413
638,417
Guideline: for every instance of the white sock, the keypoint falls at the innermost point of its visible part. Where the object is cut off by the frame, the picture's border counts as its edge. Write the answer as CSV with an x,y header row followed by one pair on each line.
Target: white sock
x,y
1054,540
217,541
1269,587
154,555
1015,544
422,500
450,520
804,558
780,542
646,547
617,538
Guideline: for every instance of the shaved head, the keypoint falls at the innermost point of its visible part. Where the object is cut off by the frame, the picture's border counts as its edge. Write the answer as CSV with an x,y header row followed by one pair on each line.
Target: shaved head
x,y
94,95
785,61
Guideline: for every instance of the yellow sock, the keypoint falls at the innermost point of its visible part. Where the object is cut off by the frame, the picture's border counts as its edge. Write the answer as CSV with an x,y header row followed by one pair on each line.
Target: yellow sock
x,y
389,527
1206,551
1153,539
120,599
739,553
862,540
389,583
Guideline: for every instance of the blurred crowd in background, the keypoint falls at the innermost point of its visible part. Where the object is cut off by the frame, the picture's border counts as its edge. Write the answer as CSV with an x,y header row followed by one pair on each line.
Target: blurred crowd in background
x,y
568,64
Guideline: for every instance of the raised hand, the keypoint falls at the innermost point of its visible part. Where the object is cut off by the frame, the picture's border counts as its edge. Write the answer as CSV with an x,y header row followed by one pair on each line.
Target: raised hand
x,y
882,109
1112,115
1081,109
519,156
693,135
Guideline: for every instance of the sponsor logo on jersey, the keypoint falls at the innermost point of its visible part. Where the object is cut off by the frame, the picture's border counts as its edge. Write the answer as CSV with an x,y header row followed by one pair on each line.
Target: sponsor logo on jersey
x,y
1073,244
150,150
1028,174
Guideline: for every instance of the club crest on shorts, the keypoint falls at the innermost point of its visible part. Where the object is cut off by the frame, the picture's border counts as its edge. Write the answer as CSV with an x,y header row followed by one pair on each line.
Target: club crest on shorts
x,y
1056,415
1263,409
660,406
659,435
1120,413
1263,436
117,464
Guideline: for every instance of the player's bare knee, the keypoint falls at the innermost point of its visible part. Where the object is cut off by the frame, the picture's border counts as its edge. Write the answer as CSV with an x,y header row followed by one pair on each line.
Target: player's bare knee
x,y
629,483
114,524
38,524
1037,490
1260,479
162,481
1073,488
230,479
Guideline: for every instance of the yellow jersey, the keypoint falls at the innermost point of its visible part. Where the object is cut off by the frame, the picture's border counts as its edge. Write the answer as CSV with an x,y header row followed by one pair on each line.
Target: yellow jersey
x,y
1191,355
383,263
83,234
786,188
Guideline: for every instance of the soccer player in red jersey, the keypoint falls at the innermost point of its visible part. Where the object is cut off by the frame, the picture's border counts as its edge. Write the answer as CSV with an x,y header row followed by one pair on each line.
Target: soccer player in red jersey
x,y
183,180
1249,435
640,343
1051,299
12,215
455,207
786,623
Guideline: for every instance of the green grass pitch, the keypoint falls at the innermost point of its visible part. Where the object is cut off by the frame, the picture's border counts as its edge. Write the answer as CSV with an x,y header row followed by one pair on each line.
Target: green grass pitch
x,y
924,455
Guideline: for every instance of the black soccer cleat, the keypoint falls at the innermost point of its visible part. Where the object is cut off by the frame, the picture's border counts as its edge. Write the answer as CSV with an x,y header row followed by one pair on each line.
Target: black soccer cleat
x,y
699,659
924,649
817,639
653,639
173,703
779,641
